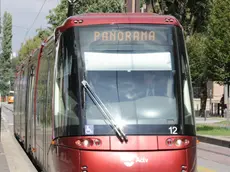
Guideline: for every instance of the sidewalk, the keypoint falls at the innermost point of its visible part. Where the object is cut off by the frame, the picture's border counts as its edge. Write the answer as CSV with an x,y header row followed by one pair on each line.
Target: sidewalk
x,y
3,163
12,156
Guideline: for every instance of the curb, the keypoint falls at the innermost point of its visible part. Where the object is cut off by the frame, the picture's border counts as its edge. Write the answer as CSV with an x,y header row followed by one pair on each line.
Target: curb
x,y
214,141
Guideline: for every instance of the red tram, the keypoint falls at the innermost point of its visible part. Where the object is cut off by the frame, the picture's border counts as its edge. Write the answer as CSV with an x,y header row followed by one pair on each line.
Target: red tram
x,y
108,92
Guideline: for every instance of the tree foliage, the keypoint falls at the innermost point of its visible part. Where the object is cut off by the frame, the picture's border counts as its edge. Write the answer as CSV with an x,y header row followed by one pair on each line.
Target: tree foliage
x,y
33,43
198,62
200,66
5,59
27,48
196,17
191,13
57,16
218,45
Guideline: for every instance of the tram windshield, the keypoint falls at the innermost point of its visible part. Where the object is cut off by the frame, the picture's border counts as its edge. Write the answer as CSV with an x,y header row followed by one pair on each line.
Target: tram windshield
x,y
130,67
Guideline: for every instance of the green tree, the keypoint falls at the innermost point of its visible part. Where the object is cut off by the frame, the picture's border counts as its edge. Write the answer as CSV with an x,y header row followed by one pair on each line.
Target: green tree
x,y
43,34
196,16
191,13
196,49
31,44
57,15
176,8
218,45
5,59
27,48
195,24
200,66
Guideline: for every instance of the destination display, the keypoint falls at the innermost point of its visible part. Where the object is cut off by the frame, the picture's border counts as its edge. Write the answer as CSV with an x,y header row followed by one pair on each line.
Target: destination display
x,y
120,37
124,35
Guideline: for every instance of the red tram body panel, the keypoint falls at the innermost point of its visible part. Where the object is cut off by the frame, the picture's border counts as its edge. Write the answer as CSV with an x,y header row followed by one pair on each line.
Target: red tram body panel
x,y
108,92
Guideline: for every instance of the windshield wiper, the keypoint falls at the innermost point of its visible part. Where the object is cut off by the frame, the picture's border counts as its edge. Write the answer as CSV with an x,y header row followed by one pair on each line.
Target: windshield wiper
x,y
107,115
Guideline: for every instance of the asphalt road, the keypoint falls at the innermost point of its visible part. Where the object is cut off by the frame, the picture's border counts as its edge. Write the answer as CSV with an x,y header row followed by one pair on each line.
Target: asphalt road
x,y
211,158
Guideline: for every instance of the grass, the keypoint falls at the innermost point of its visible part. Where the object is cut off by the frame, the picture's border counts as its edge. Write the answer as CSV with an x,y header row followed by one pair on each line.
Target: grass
x,y
226,123
212,130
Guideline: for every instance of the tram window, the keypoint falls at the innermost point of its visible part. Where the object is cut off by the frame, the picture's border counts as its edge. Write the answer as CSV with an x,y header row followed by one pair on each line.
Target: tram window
x,y
66,118
188,109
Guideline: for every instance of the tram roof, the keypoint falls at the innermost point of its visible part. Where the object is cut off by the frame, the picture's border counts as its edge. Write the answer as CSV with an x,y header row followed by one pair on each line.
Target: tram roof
x,y
117,18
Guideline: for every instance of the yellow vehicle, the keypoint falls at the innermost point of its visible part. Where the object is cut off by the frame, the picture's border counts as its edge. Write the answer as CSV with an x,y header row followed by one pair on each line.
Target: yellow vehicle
x,y
10,97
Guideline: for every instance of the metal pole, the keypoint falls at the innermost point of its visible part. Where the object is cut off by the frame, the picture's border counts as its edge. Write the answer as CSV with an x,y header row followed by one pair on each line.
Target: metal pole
x,y
143,8
71,7
0,116
205,115
210,99
0,123
0,74
133,6
228,102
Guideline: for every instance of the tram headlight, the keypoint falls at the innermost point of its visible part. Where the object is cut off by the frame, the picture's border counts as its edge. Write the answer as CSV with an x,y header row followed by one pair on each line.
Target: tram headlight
x,y
88,142
178,142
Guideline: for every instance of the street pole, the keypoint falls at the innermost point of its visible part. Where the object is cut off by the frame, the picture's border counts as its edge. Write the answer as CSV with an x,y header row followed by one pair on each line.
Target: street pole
x,y
228,102
0,73
210,99
70,7
0,115
226,99
133,6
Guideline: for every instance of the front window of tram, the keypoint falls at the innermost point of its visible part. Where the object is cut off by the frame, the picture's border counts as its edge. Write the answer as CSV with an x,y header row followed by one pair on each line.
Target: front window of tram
x,y
130,68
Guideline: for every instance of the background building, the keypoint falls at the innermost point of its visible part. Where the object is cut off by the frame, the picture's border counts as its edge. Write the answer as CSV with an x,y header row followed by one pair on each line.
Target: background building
x,y
215,92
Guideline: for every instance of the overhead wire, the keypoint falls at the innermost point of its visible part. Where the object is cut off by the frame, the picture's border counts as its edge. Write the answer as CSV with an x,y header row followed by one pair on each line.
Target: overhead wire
x,y
35,20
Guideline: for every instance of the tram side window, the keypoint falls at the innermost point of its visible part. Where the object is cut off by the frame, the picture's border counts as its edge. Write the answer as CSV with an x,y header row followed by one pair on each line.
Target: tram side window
x,y
187,90
66,120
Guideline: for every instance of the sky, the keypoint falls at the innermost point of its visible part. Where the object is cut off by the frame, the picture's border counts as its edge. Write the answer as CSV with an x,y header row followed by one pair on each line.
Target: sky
x,y
24,13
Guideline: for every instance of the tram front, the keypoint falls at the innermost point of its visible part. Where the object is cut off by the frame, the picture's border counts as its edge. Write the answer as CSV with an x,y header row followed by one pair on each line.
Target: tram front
x,y
123,98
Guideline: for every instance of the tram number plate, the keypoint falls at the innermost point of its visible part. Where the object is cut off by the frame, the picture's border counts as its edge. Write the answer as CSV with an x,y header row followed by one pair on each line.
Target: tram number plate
x,y
173,130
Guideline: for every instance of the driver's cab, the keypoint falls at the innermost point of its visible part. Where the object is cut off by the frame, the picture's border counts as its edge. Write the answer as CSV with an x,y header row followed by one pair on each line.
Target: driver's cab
x,y
116,86
147,83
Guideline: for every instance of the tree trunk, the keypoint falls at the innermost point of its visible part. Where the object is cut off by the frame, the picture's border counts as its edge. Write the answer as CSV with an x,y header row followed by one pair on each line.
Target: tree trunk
x,y
203,98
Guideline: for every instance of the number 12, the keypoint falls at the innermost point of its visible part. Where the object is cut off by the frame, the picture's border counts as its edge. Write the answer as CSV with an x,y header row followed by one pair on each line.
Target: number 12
x,y
173,130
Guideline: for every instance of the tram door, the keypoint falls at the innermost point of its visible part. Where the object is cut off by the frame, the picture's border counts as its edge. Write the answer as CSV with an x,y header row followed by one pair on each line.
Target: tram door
x,y
30,137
